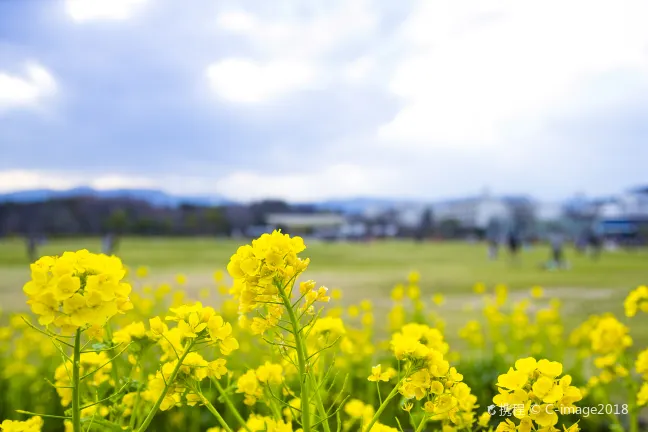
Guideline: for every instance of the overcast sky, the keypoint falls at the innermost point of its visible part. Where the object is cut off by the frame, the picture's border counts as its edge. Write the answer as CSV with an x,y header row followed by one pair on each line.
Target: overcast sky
x,y
315,99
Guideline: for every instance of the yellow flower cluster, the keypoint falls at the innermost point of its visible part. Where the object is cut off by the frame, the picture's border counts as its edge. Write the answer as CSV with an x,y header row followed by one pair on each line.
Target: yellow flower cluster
x,y
132,332
610,336
260,269
194,368
194,323
358,411
418,341
534,392
252,383
258,423
77,289
637,300
642,368
34,424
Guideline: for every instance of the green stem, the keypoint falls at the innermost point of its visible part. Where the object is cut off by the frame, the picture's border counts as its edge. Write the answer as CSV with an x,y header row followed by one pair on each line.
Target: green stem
x,y
320,409
111,352
216,414
632,406
172,377
76,391
422,424
301,362
230,406
382,407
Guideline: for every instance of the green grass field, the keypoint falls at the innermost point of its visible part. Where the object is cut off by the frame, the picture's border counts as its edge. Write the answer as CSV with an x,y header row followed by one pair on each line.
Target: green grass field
x,y
369,270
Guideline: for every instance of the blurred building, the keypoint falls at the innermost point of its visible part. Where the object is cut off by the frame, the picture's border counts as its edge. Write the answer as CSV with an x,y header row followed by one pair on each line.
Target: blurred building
x,y
316,224
624,217
473,214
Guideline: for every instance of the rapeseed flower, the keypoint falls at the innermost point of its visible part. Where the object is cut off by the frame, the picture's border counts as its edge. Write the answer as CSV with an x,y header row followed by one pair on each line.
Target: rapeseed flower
x,y
77,289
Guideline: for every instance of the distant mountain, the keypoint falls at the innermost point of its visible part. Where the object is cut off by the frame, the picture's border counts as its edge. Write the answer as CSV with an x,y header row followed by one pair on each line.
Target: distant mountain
x,y
152,196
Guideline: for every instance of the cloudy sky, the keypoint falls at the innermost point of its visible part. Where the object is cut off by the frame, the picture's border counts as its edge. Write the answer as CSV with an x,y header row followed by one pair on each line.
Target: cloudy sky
x,y
315,99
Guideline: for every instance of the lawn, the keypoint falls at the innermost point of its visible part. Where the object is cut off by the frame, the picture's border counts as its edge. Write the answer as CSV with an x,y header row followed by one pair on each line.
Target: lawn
x,y
370,269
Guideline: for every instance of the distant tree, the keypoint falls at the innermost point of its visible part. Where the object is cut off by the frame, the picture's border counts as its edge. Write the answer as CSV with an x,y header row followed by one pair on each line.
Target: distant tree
x,y
426,226
216,221
262,209
117,222
449,228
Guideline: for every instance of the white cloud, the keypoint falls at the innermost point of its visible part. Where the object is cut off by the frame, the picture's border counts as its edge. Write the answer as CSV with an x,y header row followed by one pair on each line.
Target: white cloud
x,y
358,69
122,182
95,10
292,44
245,81
236,21
28,90
17,180
472,71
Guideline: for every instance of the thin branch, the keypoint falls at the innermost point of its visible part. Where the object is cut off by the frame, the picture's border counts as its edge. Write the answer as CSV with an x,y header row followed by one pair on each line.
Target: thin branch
x,y
117,393
43,415
49,335
325,348
172,346
102,350
96,369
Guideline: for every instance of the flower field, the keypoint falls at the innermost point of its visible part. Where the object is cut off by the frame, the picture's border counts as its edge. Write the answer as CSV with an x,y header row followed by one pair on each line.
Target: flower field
x,y
265,348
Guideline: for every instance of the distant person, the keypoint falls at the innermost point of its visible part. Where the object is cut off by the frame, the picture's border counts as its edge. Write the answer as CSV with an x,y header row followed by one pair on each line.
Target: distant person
x,y
557,241
109,245
514,244
582,242
595,244
493,246
32,246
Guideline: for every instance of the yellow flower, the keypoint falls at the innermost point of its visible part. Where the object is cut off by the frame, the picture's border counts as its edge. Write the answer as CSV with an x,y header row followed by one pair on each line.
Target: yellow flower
x,y
527,365
550,368
142,271
355,408
378,375
544,415
438,299
249,385
306,287
546,389
642,396
506,426
398,292
642,364
512,380
270,373
479,288
484,419
537,292
609,336
217,368
637,300
353,311
34,424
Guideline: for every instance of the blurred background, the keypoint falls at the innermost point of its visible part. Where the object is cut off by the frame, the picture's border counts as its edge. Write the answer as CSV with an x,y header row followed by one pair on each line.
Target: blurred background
x,y
494,142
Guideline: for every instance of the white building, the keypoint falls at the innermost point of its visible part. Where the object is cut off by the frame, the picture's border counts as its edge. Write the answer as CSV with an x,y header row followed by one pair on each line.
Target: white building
x,y
473,213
